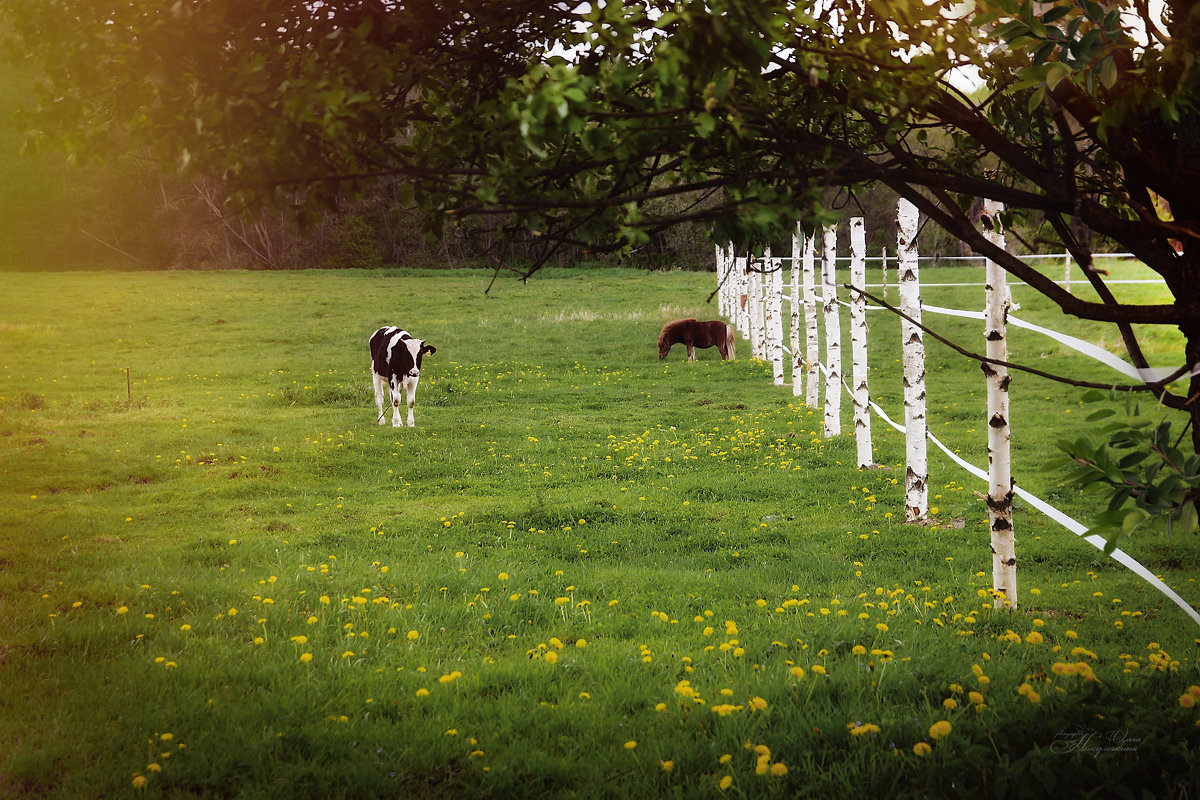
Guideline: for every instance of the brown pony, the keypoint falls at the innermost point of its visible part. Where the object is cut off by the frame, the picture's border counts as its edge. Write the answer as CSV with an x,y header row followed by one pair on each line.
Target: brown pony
x,y
694,333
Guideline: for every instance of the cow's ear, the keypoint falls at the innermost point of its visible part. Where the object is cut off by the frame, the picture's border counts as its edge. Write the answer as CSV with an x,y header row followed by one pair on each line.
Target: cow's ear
x,y
428,348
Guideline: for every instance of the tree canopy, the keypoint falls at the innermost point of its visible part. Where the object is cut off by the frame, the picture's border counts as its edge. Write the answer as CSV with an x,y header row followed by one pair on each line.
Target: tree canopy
x,y
566,119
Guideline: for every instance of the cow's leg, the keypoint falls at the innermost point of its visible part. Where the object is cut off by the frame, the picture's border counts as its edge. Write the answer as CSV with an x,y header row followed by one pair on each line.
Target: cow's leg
x,y
410,388
380,385
397,388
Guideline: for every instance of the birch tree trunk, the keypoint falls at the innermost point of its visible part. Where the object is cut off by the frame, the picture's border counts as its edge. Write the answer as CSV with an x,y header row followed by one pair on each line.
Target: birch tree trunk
x,y
812,332
755,307
794,308
722,282
774,315
916,477
742,298
833,335
858,342
1000,492
883,268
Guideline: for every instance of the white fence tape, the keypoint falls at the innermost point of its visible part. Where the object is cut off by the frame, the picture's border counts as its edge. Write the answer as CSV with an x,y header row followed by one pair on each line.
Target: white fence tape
x,y
1072,525
1075,527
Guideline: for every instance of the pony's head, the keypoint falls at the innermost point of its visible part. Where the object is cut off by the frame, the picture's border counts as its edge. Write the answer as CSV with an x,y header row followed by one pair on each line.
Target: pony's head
x,y
664,345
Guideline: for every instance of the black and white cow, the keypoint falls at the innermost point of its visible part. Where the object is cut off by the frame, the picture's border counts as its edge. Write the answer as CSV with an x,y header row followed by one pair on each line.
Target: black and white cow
x,y
395,367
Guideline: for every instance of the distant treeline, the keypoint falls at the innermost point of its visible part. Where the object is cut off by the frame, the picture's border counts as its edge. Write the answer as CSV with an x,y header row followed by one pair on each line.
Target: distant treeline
x,y
130,213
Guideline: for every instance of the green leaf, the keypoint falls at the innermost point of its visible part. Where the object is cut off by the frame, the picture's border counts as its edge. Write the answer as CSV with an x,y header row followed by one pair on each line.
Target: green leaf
x,y
1035,98
1055,14
1133,520
1058,71
1189,519
1043,53
1108,72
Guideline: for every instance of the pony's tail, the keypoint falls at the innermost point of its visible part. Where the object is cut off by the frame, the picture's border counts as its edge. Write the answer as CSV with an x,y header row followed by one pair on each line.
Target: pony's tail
x,y
730,340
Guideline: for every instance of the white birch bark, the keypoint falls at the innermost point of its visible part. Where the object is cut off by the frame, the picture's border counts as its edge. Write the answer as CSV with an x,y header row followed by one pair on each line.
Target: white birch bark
x,y
833,335
812,329
1000,492
883,267
722,282
794,309
742,297
916,478
858,343
755,308
773,316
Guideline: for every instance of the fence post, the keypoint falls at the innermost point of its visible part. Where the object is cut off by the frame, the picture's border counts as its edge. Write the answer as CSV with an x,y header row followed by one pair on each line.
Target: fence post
x,y
755,309
883,267
774,314
812,332
858,342
1000,488
794,309
743,296
722,286
833,335
916,477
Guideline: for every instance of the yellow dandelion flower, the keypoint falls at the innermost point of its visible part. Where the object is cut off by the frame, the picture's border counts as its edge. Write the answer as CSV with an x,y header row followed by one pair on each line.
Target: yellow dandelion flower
x,y
939,729
778,769
631,744
139,781
725,782
306,657
922,749
667,766
551,657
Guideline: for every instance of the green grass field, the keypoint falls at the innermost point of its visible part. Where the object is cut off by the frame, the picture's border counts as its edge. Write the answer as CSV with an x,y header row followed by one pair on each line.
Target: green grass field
x,y
585,573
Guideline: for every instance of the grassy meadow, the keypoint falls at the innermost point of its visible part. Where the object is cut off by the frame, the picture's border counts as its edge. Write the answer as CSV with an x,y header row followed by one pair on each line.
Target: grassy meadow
x,y
584,573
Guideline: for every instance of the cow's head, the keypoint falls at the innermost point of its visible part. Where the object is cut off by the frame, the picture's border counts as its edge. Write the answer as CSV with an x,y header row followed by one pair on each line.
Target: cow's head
x,y
425,347
417,348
